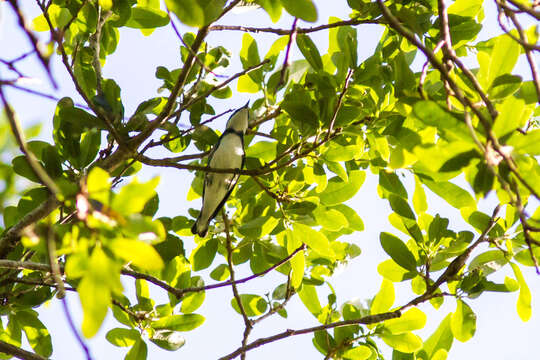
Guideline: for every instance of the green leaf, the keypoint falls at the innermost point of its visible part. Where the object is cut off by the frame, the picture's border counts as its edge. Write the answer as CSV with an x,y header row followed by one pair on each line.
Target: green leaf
x,y
254,305
398,355
405,342
441,339
413,319
309,50
147,18
488,262
398,251
393,272
297,262
303,9
404,77
330,219
249,56
419,198
453,194
22,168
122,337
384,299
168,340
139,253
262,150
188,11
468,8
401,207
528,143
220,273
186,322
337,191
314,239
139,351
354,221
523,305
463,322
103,278
132,197
192,301
513,114
361,352
273,8
308,295
504,86
36,333
390,182
203,256
500,60
524,256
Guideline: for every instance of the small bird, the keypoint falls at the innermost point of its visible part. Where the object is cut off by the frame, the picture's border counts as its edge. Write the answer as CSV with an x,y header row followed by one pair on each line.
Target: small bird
x,y
228,153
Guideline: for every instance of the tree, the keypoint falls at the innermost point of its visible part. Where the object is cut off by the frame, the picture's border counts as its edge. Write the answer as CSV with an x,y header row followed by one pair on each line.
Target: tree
x,y
322,122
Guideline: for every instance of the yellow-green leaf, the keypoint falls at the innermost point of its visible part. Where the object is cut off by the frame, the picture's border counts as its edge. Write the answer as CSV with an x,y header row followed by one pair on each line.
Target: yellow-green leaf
x,y
98,185
406,342
361,352
297,261
463,323
384,299
314,239
523,305
413,319
139,253
308,295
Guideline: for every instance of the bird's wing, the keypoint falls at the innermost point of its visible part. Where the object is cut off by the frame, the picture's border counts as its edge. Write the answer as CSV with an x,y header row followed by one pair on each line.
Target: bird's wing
x,y
232,182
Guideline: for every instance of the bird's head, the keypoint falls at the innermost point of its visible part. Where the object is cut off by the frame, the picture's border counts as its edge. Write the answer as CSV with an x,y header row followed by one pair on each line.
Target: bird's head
x,y
239,119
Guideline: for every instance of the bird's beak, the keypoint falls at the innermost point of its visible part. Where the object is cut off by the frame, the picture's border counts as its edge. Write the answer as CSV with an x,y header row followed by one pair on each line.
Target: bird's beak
x,y
247,104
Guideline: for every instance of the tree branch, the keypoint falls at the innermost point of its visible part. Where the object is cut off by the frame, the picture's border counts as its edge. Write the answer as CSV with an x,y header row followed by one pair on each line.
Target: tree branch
x,y
19,353
369,319
247,323
286,62
33,40
339,103
288,31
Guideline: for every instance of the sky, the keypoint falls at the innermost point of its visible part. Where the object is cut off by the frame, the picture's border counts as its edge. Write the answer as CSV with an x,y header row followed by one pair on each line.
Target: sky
x,y
500,334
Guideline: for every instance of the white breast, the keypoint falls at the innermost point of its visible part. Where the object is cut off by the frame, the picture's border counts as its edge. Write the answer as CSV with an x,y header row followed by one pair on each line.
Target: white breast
x,y
229,153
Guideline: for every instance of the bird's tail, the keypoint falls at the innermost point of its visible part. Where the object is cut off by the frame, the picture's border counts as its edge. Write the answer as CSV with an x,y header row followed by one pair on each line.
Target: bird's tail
x,y
200,227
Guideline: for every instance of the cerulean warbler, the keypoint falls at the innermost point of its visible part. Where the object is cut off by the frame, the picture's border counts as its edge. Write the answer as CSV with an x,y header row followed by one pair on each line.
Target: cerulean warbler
x,y
228,153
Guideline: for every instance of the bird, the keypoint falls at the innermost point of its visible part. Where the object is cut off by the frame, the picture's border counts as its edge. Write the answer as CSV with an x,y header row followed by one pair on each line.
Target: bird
x,y
228,153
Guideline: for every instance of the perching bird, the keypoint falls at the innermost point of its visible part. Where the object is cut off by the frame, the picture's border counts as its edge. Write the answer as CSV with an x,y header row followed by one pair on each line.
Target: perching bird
x,y
228,153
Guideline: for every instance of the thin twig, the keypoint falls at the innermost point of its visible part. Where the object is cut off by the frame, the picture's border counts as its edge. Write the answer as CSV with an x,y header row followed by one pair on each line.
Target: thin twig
x,y
455,266
529,10
369,319
299,30
199,61
36,167
57,36
286,61
247,323
53,262
38,93
526,229
74,329
528,55
33,40
217,87
339,103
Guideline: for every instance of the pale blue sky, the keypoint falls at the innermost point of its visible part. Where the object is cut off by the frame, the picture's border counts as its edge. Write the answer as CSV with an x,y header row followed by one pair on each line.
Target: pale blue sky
x,y
500,333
